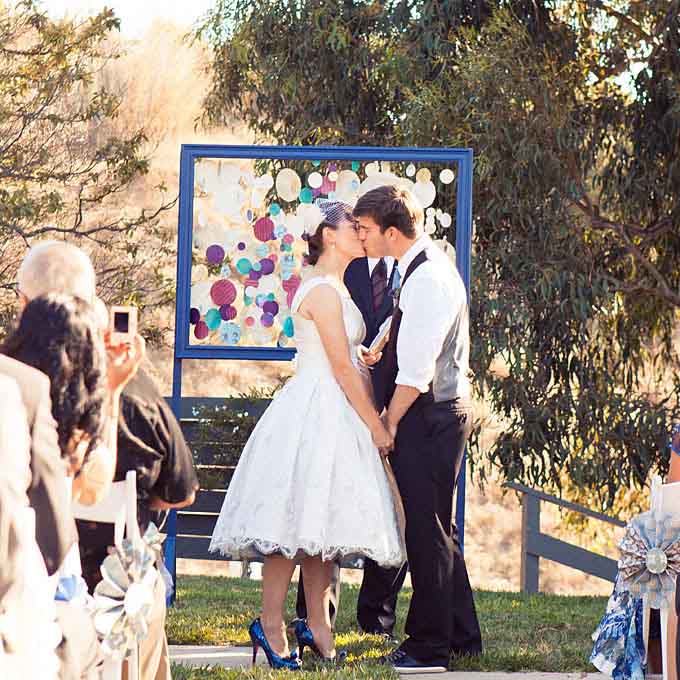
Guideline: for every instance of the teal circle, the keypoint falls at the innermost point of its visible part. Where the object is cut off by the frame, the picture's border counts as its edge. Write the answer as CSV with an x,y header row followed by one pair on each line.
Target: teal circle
x,y
355,165
213,319
244,266
262,250
288,328
274,209
247,300
257,266
316,164
271,296
306,195
260,300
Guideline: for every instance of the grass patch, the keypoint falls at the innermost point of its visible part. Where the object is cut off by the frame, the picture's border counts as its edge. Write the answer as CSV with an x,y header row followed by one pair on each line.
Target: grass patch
x,y
520,632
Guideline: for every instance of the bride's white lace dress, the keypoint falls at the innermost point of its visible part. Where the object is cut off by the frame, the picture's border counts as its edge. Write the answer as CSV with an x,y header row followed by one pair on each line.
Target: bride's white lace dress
x,y
310,480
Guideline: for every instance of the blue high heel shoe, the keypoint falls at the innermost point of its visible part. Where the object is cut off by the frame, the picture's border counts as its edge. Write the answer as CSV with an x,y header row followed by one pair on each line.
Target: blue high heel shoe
x,y
306,639
258,638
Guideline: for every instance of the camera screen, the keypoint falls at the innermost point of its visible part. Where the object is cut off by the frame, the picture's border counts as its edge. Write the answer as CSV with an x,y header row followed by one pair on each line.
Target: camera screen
x,y
121,322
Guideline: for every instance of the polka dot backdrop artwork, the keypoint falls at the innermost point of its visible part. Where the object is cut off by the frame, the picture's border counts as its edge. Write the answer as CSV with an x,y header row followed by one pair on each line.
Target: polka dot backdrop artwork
x,y
249,255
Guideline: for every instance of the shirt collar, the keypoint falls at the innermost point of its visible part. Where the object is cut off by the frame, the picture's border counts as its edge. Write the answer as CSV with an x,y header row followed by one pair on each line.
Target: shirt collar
x,y
420,244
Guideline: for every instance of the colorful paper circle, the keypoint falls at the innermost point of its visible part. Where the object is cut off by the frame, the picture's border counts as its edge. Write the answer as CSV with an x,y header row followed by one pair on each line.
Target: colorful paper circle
x,y
244,266
264,229
194,316
201,330
315,180
271,307
230,333
446,176
223,292
267,320
288,185
410,170
266,266
227,312
213,319
306,195
423,175
215,254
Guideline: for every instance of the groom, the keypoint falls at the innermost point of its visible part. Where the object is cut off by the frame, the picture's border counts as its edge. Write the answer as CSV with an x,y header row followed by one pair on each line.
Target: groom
x,y
429,410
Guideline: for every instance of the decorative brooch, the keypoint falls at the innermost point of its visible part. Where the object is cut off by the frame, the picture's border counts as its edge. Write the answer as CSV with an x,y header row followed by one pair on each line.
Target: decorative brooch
x,y
123,599
650,557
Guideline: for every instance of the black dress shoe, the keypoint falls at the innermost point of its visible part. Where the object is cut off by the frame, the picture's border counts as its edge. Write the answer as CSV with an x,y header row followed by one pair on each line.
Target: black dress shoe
x,y
403,663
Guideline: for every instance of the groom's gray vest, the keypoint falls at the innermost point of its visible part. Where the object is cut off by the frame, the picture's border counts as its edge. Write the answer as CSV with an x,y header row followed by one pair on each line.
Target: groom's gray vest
x,y
451,378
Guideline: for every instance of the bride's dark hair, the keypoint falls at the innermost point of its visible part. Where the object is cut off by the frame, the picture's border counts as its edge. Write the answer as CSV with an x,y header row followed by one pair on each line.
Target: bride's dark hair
x,y
334,214
58,335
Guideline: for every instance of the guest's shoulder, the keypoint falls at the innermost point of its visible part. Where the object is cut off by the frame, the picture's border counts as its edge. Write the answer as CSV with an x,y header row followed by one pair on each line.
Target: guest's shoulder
x,y
26,376
9,389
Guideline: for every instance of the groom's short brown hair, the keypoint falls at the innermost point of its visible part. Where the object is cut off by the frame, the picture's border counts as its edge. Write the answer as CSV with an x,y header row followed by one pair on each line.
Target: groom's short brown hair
x,y
390,206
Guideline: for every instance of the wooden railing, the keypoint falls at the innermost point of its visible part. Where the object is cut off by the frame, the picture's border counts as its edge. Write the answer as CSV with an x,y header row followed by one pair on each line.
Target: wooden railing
x,y
537,545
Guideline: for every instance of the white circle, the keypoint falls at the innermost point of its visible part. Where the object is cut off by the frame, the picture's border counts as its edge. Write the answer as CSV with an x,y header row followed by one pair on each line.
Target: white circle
x,y
333,176
251,291
288,185
430,227
315,180
425,192
347,185
446,176
439,213
445,220
430,212
266,181
410,170
295,225
372,169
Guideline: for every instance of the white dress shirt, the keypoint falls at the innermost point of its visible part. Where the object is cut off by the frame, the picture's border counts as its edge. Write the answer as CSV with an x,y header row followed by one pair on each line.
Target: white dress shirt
x,y
432,300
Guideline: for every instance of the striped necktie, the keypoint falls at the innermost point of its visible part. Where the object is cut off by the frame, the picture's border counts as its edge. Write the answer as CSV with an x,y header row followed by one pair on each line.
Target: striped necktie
x,y
379,283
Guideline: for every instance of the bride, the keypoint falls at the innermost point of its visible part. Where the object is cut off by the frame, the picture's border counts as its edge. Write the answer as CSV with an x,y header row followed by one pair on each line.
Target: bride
x,y
310,486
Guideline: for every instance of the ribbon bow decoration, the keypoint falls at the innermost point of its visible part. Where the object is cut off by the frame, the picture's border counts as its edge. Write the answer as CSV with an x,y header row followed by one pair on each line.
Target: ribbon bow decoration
x,y
123,599
650,557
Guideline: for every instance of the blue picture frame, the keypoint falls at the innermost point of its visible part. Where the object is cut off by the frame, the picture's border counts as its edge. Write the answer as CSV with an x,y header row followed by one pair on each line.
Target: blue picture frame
x,y
190,153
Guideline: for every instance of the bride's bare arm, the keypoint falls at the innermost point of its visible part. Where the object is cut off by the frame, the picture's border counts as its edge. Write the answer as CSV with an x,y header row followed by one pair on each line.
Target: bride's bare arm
x,y
323,306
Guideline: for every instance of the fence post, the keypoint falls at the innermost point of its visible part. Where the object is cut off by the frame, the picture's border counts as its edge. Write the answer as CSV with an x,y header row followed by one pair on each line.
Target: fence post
x,y
531,521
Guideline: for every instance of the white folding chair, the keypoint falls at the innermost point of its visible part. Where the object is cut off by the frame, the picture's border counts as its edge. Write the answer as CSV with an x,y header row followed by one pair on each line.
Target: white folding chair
x,y
665,498
119,508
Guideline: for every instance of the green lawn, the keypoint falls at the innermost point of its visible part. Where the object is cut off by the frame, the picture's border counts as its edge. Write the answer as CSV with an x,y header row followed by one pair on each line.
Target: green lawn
x,y
520,632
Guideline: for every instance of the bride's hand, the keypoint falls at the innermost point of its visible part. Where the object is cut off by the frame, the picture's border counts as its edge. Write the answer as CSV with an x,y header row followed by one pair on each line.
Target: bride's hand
x,y
369,358
383,440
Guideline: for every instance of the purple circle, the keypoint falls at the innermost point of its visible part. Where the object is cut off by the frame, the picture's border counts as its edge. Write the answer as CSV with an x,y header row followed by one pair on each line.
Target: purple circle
x,y
215,254
227,312
255,275
267,266
194,316
201,330
241,246
271,307
267,320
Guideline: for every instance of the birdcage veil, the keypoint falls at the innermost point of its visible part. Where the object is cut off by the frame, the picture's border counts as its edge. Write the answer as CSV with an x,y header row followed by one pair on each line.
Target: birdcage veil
x,y
328,211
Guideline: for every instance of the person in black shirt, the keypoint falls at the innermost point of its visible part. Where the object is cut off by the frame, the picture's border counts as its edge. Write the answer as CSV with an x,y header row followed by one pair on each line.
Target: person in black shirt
x,y
150,442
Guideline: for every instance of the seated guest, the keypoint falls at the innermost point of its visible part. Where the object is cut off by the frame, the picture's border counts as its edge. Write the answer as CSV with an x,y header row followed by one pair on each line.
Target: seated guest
x,y
150,442
60,336
29,633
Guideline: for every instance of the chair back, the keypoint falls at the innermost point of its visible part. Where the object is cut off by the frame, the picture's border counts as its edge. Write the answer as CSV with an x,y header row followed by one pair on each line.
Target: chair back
x,y
118,507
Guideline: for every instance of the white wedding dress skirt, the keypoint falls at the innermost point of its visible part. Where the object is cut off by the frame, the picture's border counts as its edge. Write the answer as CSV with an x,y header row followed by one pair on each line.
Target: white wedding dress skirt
x,y
310,480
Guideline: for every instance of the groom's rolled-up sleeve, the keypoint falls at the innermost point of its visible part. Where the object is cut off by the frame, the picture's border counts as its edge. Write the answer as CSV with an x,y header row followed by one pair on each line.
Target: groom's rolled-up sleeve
x,y
427,318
